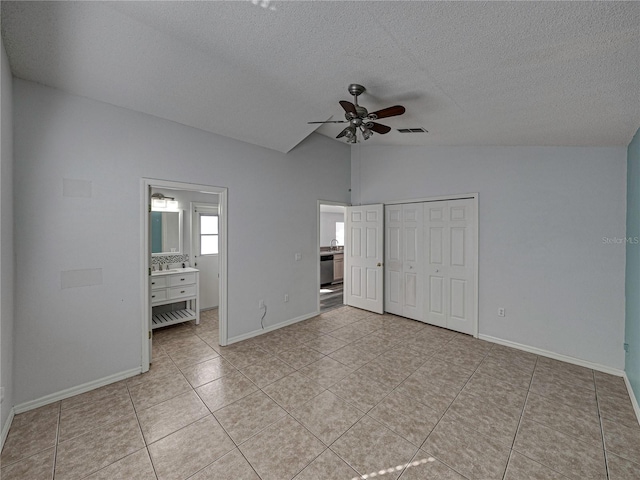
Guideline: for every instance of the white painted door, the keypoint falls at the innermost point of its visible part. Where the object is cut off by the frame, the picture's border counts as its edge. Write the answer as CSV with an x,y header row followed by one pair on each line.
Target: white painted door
x,y
364,257
450,251
393,260
404,262
205,246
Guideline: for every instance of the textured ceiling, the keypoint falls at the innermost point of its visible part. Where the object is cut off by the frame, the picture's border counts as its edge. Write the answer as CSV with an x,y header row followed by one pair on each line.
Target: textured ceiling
x,y
471,73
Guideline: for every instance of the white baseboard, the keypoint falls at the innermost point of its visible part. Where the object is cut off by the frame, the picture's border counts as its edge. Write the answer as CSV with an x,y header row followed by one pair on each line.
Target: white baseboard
x,y
555,356
632,396
6,427
270,328
70,392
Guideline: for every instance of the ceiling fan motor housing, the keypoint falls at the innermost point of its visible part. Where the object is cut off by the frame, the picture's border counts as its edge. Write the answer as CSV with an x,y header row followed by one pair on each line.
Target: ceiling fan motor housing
x,y
355,89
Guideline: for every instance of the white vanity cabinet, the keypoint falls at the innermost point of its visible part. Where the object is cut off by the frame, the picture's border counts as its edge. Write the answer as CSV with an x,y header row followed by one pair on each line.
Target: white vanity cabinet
x,y
173,286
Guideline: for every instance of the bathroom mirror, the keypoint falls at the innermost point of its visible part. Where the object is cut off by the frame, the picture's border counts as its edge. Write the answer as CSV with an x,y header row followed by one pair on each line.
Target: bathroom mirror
x,y
166,233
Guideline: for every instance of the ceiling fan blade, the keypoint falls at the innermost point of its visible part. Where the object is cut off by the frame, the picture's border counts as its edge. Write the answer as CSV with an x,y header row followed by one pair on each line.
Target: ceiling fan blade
x,y
378,128
331,121
388,112
349,107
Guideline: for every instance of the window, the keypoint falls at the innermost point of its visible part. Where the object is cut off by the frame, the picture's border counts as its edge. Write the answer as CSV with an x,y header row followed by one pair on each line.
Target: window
x,y
208,234
340,232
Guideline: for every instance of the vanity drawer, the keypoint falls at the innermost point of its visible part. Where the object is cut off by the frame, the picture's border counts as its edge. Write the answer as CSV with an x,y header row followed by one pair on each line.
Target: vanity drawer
x,y
184,279
158,282
183,291
158,295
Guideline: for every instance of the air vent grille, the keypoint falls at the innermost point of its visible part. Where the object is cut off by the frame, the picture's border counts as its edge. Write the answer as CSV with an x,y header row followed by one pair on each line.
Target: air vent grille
x,y
413,130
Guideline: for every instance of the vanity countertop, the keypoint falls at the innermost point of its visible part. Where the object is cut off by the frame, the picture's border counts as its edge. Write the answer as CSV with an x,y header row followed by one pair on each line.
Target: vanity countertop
x,y
174,270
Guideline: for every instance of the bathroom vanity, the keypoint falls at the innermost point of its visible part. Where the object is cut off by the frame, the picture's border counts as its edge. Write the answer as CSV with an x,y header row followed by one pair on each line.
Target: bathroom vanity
x,y
174,286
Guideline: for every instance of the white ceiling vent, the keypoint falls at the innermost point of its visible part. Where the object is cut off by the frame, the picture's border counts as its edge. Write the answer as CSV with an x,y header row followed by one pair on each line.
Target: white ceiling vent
x,y
413,130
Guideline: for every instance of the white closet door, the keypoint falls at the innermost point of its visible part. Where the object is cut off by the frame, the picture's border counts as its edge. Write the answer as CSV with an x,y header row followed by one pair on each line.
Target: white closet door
x,y
413,266
435,263
461,225
364,257
404,263
393,260
450,264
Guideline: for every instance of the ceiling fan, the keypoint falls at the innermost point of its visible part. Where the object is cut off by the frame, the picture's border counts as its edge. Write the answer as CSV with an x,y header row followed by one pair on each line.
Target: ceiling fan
x,y
359,118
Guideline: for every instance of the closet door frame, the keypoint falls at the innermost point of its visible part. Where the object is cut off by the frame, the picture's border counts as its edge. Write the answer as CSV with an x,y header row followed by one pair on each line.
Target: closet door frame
x,y
476,248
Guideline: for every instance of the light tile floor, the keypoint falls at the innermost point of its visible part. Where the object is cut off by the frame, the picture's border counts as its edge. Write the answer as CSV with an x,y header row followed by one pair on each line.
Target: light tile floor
x,y
345,395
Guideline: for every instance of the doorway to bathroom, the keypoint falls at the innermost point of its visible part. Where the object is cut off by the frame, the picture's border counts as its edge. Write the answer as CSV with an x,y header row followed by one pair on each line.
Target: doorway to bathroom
x,y
170,211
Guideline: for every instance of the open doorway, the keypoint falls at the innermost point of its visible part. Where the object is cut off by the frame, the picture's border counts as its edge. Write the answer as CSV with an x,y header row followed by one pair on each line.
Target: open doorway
x,y
331,240
171,278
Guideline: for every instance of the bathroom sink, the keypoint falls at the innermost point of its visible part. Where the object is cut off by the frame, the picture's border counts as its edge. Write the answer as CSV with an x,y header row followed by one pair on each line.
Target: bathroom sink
x,y
158,272
174,270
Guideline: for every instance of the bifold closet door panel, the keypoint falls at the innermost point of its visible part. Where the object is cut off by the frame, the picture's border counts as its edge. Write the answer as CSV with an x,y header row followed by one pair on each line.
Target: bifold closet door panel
x,y
461,265
393,284
436,253
413,266
404,260
450,264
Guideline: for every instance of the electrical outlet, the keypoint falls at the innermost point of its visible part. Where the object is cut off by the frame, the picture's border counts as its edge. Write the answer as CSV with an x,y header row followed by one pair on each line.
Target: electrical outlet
x,y
298,257
286,297
501,312
261,303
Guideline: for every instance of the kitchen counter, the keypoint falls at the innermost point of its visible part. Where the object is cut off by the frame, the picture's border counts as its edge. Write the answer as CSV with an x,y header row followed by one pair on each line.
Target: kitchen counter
x,y
331,252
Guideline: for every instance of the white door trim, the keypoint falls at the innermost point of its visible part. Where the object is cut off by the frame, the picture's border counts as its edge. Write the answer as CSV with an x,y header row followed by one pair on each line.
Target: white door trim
x,y
475,196
145,255
324,202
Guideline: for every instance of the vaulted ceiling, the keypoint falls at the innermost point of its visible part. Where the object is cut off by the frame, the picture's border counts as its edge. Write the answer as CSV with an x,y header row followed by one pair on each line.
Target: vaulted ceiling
x,y
471,73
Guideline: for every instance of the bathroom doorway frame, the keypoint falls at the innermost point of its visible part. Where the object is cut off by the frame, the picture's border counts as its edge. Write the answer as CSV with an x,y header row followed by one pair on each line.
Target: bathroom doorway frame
x,y
146,184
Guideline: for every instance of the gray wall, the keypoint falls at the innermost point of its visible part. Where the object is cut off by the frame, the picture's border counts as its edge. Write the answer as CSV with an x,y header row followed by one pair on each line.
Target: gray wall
x,y
543,213
7,259
66,337
328,227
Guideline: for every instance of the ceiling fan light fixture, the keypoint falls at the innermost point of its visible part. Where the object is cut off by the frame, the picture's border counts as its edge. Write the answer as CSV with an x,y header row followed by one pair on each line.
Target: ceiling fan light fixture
x,y
366,133
350,132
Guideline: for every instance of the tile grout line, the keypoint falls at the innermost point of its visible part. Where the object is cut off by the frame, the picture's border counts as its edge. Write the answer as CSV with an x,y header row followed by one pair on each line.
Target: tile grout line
x,y
146,446
366,413
513,442
327,447
55,450
604,446
390,348
451,403
549,427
